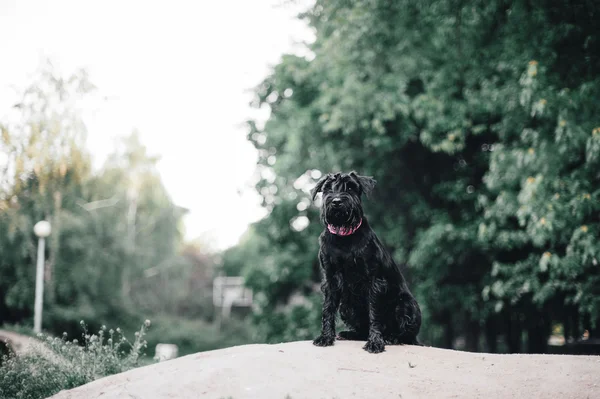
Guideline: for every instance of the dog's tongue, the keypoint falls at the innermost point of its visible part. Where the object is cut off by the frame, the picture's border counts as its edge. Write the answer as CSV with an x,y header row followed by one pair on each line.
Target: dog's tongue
x,y
343,231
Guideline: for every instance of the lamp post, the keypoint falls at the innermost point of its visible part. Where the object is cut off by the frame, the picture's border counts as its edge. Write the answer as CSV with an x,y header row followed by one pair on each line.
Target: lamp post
x,y
42,230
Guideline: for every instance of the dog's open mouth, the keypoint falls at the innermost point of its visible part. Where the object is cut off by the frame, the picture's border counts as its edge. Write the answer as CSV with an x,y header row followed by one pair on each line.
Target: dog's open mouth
x,y
344,230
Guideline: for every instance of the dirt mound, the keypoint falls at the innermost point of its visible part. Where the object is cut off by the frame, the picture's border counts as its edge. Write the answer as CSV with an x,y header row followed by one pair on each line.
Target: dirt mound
x,y
301,370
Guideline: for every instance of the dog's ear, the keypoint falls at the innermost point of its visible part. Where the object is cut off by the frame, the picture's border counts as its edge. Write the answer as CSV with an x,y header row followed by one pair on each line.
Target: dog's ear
x,y
367,183
319,187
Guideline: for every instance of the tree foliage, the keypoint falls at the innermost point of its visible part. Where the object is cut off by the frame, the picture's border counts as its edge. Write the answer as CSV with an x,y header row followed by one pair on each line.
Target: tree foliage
x,y
478,120
116,253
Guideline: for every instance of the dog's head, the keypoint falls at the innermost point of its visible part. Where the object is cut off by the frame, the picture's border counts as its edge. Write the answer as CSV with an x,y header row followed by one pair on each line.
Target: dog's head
x,y
342,197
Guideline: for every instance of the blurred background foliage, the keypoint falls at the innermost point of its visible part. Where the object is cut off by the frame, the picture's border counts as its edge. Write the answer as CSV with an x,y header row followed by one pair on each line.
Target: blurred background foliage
x,y
477,118
479,121
116,255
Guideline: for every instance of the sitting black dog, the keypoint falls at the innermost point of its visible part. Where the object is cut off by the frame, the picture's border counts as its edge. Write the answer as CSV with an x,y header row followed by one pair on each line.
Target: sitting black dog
x,y
359,275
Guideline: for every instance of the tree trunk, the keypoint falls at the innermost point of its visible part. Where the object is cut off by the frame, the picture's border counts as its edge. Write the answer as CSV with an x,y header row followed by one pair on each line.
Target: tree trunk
x,y
491,335
575,324
449,332
538,331
472,336
567,326
513,333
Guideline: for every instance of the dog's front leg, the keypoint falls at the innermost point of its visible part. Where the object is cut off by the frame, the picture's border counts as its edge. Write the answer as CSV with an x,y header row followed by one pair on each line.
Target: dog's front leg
x,y
331,288
375,342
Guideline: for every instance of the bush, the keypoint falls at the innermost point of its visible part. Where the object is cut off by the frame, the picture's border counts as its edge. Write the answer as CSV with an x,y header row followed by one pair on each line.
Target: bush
x,y
193,336
56,364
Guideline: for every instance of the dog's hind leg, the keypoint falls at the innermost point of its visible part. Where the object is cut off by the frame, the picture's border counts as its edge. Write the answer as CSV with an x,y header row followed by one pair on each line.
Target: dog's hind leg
x,y
408,317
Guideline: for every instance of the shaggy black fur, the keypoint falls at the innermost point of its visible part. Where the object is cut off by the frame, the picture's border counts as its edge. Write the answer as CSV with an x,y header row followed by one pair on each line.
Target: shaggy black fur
x,y
360,278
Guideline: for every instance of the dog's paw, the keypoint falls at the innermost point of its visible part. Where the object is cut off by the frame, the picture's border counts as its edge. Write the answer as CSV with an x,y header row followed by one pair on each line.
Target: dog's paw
x,y
323,340
374,346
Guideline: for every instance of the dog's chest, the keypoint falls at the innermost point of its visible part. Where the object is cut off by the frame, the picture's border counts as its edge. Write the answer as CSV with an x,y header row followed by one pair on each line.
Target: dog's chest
x,y
352,270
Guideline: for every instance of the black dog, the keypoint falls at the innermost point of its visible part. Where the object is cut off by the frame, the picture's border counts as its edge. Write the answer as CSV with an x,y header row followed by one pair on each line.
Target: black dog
x,y
359,275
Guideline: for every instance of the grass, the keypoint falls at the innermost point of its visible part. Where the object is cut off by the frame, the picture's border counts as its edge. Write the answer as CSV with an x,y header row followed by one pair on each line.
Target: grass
x,y
58,363
61,363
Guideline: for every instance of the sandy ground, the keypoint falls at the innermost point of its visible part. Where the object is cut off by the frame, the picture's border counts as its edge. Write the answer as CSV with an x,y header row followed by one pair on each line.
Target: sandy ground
x,y
301,370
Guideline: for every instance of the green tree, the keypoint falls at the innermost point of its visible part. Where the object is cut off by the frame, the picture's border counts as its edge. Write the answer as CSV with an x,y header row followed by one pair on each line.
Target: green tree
x,y
542,212
44,166
116,249
433,98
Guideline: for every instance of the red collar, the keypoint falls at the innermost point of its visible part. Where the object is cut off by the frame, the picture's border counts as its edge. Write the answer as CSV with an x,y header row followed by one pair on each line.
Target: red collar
x,y
343,231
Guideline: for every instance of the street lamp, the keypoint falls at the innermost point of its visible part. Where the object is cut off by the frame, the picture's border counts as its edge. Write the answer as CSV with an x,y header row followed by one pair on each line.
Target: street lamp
x,y
42,230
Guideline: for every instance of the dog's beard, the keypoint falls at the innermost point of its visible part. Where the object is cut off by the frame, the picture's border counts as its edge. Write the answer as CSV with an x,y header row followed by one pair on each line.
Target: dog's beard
x,y
347,215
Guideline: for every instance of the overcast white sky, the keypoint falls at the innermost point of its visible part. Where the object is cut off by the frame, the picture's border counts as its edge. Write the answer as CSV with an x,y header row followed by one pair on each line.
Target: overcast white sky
x,y
179,72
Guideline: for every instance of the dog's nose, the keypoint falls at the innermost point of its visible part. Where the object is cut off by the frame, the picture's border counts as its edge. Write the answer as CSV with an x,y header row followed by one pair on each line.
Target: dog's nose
x,y
336,202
